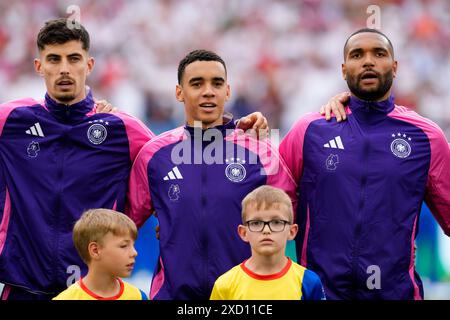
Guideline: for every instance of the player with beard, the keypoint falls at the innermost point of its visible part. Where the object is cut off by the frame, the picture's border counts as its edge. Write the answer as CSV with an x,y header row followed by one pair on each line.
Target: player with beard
x,y
379,165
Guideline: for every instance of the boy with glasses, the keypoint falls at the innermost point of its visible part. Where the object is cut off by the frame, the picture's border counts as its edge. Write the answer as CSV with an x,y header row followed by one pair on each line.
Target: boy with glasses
x,y
267,218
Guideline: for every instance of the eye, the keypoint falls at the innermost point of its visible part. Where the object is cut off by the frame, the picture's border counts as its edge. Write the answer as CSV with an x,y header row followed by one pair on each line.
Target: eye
x,y
355,55
277,222
255,223
74,59
52,59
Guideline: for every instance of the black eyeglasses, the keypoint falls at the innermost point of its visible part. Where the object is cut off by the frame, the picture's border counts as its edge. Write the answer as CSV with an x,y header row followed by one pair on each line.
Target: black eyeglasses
x,y
274,225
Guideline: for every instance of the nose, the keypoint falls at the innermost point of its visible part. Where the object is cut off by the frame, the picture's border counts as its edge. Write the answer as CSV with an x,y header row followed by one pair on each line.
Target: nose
x,y
208,91
134,252
64,67
266,229
368,60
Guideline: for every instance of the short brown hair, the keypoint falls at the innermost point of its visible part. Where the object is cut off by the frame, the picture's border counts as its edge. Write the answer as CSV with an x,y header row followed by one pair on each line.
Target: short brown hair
x,y
267,197
58,32
94,224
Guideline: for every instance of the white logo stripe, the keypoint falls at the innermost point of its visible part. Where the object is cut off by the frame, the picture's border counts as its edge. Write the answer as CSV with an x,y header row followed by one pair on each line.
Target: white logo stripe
x,y
33,131
339,142
39,130
177,173
171,176
333,144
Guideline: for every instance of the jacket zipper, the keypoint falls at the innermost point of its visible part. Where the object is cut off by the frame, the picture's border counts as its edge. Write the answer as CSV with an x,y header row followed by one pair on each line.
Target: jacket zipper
x,y
360,214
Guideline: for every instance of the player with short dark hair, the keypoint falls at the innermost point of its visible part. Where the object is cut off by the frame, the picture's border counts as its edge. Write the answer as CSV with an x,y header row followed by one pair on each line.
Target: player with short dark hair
x,y
58,157
194,179
362,181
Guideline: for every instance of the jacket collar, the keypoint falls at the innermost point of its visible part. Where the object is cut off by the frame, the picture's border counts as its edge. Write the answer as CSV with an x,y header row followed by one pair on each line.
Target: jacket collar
x,y
228,124
371,111
70,113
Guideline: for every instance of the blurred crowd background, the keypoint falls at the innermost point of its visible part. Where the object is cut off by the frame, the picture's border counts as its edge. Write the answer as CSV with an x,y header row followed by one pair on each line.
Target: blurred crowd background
x,y
283,58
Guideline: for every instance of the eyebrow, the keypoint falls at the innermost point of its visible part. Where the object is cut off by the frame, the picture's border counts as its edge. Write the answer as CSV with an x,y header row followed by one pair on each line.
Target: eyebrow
x,y
202,79
358,50
58,55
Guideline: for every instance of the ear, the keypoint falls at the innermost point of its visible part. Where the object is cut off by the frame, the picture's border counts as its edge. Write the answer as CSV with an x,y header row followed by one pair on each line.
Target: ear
x,y
394,68
179,93
38,67
90,64
228,96
344,71
94,250
293,231
242,231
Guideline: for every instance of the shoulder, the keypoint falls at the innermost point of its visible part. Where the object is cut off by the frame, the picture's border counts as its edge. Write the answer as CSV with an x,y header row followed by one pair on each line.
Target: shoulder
x,y
160,141
226,279
24,102
306,120
131,292
71,293
431,129
308,276
7,107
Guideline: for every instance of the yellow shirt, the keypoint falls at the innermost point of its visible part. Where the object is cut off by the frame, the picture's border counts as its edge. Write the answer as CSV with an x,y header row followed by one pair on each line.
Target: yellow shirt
x,y
294,282
78,291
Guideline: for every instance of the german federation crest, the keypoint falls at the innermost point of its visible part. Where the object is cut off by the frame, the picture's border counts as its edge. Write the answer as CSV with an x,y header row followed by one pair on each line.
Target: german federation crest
x,y
235,171
400,146
97,133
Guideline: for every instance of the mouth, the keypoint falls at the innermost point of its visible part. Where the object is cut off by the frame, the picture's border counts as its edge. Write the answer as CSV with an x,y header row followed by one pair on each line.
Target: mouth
x,y
130,265
65,83
266,241
208,105
368,77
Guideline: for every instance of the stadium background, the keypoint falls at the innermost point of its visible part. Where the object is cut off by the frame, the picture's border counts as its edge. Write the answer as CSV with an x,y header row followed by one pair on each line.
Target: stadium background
x,y
283,59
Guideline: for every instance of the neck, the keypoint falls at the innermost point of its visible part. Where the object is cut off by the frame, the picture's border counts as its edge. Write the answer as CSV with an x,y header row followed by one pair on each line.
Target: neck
x,y
205,126
101,283
385,97
267,264
81,97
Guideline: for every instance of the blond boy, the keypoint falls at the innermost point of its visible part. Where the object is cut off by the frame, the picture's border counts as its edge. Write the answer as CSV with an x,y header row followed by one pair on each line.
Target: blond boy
x,y
104,240
267,224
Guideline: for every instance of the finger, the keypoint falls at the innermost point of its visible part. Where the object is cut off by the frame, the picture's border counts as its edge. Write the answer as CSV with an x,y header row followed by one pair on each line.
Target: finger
x,y
102,102
328,112
259,121
322,110
335,109
341,111
265,125
242,123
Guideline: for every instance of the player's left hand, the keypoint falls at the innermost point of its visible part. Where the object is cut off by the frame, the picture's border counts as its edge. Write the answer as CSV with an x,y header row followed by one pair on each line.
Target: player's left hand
x,y
104,106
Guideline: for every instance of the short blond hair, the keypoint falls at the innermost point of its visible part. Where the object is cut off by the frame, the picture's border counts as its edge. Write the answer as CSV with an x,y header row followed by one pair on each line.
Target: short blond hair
x,y
93,226
267,197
